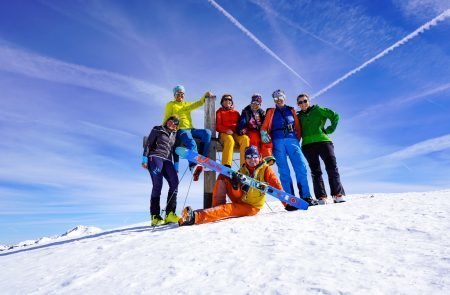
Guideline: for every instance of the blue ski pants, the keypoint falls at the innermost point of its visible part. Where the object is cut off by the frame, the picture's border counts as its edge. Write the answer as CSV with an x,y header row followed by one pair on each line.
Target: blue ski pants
x,y
289,147
187,137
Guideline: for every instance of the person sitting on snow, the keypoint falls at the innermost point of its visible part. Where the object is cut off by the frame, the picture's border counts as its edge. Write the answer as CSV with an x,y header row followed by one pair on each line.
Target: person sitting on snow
x,y
186,132
245,200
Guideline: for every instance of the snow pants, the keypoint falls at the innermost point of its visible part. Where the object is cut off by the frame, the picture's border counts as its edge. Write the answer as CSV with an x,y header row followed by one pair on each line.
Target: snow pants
x,y
255,139
228,147
222,210
325,151
160,168
187,137
289,147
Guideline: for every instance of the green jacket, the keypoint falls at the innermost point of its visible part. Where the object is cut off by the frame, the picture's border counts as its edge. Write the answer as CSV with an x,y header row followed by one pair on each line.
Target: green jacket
x,y
313,124
183,111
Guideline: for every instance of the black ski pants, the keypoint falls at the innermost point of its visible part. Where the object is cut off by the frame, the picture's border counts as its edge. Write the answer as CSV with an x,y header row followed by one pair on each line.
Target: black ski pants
x,y
324,151
160,168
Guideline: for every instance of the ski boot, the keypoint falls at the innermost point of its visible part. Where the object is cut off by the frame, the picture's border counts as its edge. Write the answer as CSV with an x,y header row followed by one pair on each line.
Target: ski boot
x,y
157,220
338,199
187,217
322,200
171,218
198,169
310,201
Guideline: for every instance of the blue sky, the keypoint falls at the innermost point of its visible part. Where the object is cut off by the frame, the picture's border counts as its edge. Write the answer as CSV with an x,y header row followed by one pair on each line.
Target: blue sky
x,y
82,81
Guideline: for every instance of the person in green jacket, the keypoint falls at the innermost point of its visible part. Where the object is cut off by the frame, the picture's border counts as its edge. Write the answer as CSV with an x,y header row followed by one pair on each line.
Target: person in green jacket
x,y
316,144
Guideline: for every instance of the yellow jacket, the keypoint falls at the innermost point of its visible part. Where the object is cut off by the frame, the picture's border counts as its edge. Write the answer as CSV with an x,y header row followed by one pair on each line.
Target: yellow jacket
x,y
183,110
255,197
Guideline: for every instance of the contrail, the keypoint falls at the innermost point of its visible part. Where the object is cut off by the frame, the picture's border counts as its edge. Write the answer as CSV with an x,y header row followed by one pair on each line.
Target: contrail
x,y
256,40
420,30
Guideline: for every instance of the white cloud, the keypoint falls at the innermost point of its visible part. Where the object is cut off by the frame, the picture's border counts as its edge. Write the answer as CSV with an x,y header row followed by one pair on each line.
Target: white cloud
x,y
41,67
422,9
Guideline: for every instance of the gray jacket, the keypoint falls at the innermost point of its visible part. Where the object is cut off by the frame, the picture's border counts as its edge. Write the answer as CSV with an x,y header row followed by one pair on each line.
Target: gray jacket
x,y
160,143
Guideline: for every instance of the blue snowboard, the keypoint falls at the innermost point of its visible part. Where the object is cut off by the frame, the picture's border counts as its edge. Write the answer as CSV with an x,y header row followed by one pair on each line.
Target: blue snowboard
x,y
193,156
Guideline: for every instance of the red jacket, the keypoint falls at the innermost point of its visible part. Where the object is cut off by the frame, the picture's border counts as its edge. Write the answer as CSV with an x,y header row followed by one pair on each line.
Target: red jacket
x,y
226,119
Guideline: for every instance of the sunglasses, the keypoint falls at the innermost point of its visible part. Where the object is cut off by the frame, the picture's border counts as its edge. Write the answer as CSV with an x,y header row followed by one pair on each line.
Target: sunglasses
x,y
252,157
256,103
302,101
227,99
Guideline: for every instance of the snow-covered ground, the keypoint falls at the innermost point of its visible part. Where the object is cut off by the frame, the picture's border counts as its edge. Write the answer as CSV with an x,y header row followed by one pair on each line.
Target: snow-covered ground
x,y
387,244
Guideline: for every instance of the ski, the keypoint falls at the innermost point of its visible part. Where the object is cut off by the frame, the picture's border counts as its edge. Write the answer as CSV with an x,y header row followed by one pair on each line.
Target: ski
x,y
193,156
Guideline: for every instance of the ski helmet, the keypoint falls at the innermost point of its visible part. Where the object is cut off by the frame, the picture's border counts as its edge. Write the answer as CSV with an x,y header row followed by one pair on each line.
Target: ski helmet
x,y
178,88
278,93
257,97
251,150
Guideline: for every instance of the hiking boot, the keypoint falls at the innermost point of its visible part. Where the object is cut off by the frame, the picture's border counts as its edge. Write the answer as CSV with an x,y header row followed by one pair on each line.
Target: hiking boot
x,y
171,218
338,199
310,201
322,200
187,217
197,171
157,220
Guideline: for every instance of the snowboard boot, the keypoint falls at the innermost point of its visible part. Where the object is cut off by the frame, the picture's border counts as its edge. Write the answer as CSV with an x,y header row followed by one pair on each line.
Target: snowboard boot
x,y
157,220
171,218
310,201
322,200
338,199
187,217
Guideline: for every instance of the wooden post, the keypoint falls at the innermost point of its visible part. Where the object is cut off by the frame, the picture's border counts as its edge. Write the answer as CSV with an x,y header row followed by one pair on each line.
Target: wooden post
x,y
210,176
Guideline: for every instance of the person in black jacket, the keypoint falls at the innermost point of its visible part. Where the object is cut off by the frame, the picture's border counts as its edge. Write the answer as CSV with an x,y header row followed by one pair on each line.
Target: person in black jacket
x,y
157,158
250,122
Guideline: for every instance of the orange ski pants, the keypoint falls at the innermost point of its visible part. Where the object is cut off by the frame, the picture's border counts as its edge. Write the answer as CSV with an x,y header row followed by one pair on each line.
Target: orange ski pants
x,y
255,139
222,210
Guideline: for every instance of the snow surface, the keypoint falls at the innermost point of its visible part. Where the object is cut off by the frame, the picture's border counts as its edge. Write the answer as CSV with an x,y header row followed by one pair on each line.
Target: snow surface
x,y
387,244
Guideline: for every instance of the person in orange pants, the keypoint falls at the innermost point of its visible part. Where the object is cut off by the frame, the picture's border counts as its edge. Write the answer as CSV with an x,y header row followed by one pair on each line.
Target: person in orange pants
x,y
250,122
245,201
226,121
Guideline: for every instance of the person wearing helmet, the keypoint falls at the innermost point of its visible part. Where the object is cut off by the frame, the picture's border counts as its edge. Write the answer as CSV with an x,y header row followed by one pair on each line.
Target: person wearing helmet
x,y
187,133
250,123
245,200
226,121
157,159
282,127
317,144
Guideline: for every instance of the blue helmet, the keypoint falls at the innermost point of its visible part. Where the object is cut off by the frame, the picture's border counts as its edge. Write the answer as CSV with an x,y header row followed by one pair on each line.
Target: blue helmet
x,y
278,93
178,88
251,150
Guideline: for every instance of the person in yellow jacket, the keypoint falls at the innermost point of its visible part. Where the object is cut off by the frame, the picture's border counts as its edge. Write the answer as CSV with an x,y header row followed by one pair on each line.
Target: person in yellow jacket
x,y
245,201
186,132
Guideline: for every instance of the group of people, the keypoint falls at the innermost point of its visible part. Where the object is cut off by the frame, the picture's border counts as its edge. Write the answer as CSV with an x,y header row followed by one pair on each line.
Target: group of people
x,y
264,137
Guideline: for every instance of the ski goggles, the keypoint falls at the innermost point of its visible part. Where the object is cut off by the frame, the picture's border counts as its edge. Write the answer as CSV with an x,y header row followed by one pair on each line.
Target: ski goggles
x,y
248,157
277,98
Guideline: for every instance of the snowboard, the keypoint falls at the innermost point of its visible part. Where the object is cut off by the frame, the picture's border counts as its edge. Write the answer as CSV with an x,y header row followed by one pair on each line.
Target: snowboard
x,y
193,156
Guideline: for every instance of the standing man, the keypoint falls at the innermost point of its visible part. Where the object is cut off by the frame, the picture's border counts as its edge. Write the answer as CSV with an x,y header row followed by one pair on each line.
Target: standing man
x,y
316,144
187,133
282,126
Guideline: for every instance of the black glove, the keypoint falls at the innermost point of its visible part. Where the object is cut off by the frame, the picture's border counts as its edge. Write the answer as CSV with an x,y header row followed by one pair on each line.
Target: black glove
x,y
245,188
290,208
235,180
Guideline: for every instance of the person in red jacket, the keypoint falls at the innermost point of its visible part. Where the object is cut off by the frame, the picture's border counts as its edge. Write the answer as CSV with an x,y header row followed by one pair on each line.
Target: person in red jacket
x,y
226,121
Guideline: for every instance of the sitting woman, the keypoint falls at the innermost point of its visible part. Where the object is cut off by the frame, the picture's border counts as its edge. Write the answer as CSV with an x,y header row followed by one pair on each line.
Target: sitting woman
x,y
226,121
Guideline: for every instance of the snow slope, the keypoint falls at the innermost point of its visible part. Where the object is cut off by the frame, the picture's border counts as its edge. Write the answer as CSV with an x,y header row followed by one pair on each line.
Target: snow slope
x,y
388,244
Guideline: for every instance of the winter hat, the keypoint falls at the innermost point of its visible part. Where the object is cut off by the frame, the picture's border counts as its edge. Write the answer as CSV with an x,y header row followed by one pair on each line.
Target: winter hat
x,y
257,97
278,93
178,88
226,95
251,150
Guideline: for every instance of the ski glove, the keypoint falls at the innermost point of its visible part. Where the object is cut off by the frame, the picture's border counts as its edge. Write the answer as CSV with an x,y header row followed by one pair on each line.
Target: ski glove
x,y
265,137
144,160
235,180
